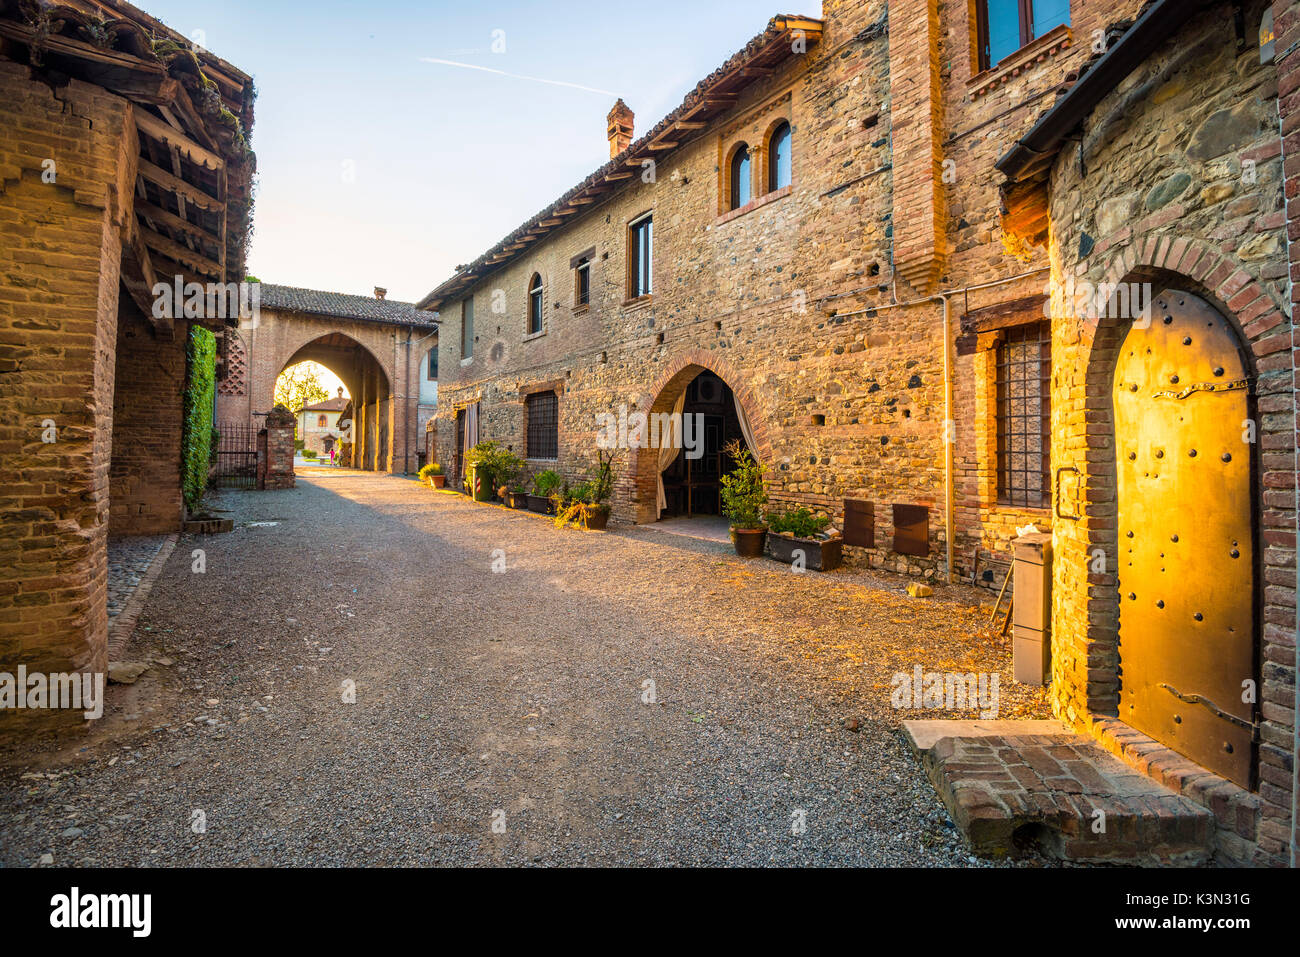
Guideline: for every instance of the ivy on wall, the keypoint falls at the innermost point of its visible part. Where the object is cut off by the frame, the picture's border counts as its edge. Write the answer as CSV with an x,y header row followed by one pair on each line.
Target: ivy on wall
x,y
196,440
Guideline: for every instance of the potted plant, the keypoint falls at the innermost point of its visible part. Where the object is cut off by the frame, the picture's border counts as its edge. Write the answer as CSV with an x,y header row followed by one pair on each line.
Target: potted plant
x,y
517,493
798,532
490,465
587,505
544,486
743,497
433,475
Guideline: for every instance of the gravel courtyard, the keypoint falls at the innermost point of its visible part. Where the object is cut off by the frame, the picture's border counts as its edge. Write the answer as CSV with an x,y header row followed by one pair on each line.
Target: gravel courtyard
x,y
500,717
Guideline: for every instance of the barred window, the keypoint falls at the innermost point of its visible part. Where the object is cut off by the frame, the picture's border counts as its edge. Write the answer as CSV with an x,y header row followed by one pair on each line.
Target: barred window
x,y
1024,415
543,425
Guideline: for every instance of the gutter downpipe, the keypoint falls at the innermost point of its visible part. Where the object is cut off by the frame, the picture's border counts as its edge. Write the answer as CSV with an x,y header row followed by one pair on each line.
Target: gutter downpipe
x,y
949,424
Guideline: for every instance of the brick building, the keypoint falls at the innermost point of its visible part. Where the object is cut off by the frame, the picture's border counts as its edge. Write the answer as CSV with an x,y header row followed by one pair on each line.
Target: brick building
x,y
385,353
124,168
862,245
318,424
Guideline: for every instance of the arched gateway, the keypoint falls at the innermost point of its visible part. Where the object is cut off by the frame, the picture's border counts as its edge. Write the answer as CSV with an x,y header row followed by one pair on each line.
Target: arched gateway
x,y
699,383
384,352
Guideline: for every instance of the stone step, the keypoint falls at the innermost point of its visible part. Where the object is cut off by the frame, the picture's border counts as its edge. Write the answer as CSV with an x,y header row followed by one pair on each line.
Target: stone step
x,y
1013,785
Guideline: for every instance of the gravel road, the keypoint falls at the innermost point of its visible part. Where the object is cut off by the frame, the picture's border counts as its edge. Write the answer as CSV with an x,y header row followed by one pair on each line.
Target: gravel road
x,y
500,717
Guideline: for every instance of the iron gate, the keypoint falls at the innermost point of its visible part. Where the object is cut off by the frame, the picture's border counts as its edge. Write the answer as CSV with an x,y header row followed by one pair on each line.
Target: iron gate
x,y
236,459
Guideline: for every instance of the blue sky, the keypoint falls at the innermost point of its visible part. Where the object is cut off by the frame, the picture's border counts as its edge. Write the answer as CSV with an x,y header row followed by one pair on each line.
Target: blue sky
x,y
444,160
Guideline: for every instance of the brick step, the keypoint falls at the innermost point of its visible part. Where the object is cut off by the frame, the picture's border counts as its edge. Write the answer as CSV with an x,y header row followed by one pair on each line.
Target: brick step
x,y
1013,785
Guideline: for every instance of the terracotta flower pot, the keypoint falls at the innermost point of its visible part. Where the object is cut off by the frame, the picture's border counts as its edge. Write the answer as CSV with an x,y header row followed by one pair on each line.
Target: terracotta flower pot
x,y
598,517
439,481
748,541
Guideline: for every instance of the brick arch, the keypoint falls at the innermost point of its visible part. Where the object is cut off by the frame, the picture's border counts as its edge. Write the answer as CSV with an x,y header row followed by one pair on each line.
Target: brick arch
x,y
1220,280
1090,645
292,354
673,378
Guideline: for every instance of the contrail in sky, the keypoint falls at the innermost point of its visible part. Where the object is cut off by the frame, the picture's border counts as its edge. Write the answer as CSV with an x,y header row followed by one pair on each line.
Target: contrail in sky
x,y
516,76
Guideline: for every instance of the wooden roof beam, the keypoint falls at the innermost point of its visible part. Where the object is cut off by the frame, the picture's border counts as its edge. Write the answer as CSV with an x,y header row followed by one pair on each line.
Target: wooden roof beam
x,y
152,126
182,254
165,180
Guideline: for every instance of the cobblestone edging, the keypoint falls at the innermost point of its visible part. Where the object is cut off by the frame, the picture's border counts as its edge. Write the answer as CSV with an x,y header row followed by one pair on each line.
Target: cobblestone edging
x,y
121,626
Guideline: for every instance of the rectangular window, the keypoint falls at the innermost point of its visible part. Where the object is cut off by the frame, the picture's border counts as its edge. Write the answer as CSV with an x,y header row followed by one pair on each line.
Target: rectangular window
x,y
582,283
1024,372
467,328
640,249
433,364
1007,25
543,425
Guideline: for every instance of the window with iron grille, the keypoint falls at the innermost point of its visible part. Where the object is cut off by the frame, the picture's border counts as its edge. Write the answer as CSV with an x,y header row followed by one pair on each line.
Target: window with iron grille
x,y
1024,415
467,328
543,425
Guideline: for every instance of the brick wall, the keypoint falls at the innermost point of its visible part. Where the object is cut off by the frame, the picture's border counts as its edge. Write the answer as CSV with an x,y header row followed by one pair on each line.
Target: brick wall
x,y
1286,25
148,415
60,250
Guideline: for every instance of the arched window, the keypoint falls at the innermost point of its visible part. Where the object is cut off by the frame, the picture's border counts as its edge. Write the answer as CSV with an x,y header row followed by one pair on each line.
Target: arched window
x,y
321,422
740,178
778,158
535,304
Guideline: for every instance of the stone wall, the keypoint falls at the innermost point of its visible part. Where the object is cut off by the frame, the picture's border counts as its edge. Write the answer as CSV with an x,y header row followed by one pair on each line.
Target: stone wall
x,y
1180,184
60,251
148,416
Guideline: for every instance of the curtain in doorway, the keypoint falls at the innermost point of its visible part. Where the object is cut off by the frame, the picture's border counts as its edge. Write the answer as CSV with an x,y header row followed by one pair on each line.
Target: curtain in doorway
x,y
471,426
744,426
668,452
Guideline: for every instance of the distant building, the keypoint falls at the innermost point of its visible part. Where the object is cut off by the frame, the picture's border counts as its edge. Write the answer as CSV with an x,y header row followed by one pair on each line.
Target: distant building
x,y
318,424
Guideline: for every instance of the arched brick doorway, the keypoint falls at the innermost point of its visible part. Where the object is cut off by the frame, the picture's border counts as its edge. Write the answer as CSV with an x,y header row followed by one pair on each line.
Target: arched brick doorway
x,y
367,384
661,398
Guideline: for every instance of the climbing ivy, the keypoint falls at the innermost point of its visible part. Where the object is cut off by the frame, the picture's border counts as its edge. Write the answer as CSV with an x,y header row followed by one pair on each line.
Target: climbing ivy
x,y
196,442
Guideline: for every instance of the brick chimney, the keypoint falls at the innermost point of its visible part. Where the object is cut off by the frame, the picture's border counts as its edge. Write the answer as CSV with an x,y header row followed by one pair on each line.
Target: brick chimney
x,y
380,292
619,131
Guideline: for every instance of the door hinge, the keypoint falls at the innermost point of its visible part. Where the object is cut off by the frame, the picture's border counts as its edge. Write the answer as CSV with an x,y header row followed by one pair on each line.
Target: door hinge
x,y
1251,726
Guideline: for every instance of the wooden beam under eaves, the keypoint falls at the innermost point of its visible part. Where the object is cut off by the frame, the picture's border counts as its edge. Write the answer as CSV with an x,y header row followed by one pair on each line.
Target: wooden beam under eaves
x,y
165,180
157,214
182,254
150,125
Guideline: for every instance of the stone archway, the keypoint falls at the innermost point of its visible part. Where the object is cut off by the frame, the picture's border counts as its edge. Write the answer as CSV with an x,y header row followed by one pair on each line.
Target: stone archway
x,y
673,379
369,387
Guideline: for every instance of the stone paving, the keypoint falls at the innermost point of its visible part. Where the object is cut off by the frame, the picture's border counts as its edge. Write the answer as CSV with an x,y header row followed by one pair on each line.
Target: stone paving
x,y
1059,792
352,682
129,558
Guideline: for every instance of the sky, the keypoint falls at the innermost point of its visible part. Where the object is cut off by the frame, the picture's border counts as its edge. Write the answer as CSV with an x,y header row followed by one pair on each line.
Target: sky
x,y
378,167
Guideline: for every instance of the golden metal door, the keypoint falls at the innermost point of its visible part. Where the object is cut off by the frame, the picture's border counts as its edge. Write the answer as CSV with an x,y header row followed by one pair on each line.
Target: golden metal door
x,y
1182,396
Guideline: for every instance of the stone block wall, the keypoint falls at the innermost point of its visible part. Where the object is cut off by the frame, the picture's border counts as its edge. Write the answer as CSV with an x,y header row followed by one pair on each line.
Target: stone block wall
x,y
60,251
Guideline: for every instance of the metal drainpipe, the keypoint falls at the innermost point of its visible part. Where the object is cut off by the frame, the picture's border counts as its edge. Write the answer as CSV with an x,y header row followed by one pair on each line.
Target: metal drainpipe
x,y
949,424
